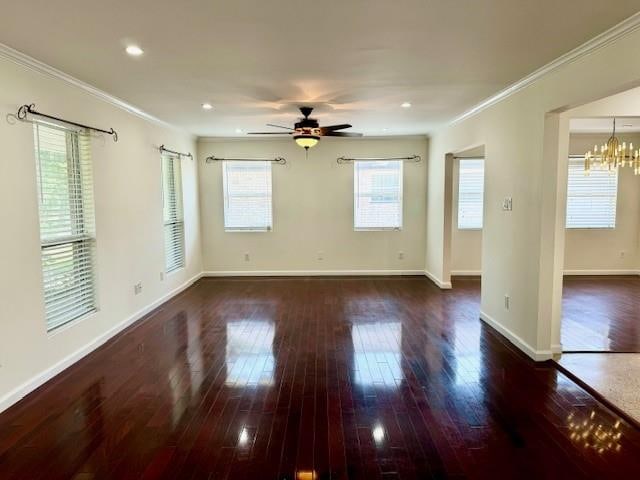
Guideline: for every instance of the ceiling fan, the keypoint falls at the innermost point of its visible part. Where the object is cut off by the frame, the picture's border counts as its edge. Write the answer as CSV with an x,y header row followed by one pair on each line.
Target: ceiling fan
x,y
307,132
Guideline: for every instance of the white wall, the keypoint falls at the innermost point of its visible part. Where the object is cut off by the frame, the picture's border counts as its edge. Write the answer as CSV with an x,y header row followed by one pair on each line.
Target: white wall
x,y
313,210
127,186
526,143
607,250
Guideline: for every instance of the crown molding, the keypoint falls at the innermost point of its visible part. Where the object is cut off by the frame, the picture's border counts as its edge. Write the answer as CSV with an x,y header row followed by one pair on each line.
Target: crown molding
x,y
284,139
616,32
22,59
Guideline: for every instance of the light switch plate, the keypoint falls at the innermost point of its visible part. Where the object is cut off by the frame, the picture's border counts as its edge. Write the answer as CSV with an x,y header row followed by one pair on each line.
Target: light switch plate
x,y
507,204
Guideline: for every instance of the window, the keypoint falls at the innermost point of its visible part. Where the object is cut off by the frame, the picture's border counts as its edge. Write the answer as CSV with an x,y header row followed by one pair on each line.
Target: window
x,y
173,216
470,193
377,187
67,234
591,199
247,196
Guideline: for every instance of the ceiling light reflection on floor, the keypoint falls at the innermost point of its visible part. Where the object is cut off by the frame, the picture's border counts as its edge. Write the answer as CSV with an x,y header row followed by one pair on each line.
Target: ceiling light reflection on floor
x,y
595,433
378,434
306,475
243,438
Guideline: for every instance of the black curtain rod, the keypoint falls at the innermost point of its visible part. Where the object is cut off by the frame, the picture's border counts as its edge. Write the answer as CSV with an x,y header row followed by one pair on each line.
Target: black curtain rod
x,y
25,110
412,158
179,154
278,160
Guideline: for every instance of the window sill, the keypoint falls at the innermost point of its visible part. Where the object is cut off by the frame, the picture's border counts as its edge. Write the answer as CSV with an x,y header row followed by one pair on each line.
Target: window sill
x,y
590,228
378,229
248,230
470,229
72,323
174,271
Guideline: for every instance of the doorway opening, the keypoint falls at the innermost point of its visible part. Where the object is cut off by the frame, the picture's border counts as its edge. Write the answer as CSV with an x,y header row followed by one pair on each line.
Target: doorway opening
x,y
464,215
600,321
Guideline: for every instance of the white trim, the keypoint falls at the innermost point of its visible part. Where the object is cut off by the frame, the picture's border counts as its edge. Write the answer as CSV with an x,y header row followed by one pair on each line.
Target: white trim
x,y
623,28
439,283
601,272
30,385
306,273
239,138
22,59
537,355
466,273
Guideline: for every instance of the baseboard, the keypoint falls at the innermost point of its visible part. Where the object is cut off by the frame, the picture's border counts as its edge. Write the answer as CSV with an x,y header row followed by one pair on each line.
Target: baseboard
x,y
30,385
556,349
306,273
537,355
439,283
602,272
466,273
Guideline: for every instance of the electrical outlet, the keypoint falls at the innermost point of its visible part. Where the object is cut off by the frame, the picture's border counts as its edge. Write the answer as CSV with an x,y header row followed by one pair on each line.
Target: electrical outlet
x,y
246,256
137,288
320,255
622,254
400,255
507,204
507,302
161,276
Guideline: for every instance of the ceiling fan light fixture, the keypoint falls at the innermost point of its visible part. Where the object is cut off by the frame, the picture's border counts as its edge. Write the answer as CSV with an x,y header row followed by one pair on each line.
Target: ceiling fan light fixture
x,y
306,141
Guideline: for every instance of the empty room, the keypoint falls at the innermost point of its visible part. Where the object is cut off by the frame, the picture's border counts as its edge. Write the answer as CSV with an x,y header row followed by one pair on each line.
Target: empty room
x,y
296,241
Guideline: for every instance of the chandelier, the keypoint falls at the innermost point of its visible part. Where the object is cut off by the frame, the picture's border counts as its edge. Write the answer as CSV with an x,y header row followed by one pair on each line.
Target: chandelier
x,y
611,155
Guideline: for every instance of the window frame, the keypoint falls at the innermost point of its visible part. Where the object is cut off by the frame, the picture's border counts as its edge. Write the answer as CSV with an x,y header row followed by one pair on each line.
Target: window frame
x,y
80,299
459,171
178,221
356,196
579,161
225,198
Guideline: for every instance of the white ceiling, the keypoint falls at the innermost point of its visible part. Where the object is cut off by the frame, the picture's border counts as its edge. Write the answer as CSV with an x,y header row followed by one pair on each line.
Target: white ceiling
x,y
604,125
256,60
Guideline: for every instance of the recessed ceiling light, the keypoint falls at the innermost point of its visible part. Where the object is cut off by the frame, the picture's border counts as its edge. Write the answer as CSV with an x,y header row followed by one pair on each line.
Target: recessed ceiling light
x,y
405,105
238,130
207,106
134,50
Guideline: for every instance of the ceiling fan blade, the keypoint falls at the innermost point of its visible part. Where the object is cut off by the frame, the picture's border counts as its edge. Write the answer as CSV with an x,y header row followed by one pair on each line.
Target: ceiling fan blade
x,y
341,134
278,126
331,128
269,133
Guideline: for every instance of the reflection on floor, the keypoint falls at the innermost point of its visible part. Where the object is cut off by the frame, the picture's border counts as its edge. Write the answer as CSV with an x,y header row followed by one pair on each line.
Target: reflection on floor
x,y
615,376
313,378
249,359
601,313
377,354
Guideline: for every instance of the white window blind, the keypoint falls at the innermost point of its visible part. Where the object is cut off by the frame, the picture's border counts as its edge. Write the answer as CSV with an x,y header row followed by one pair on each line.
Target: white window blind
x,y
470,193
591,199
247,196
67,233
377,189
172,212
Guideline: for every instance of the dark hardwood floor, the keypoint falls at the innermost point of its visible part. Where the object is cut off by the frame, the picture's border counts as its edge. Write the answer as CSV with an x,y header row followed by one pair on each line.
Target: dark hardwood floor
x,y
601,313
303,378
